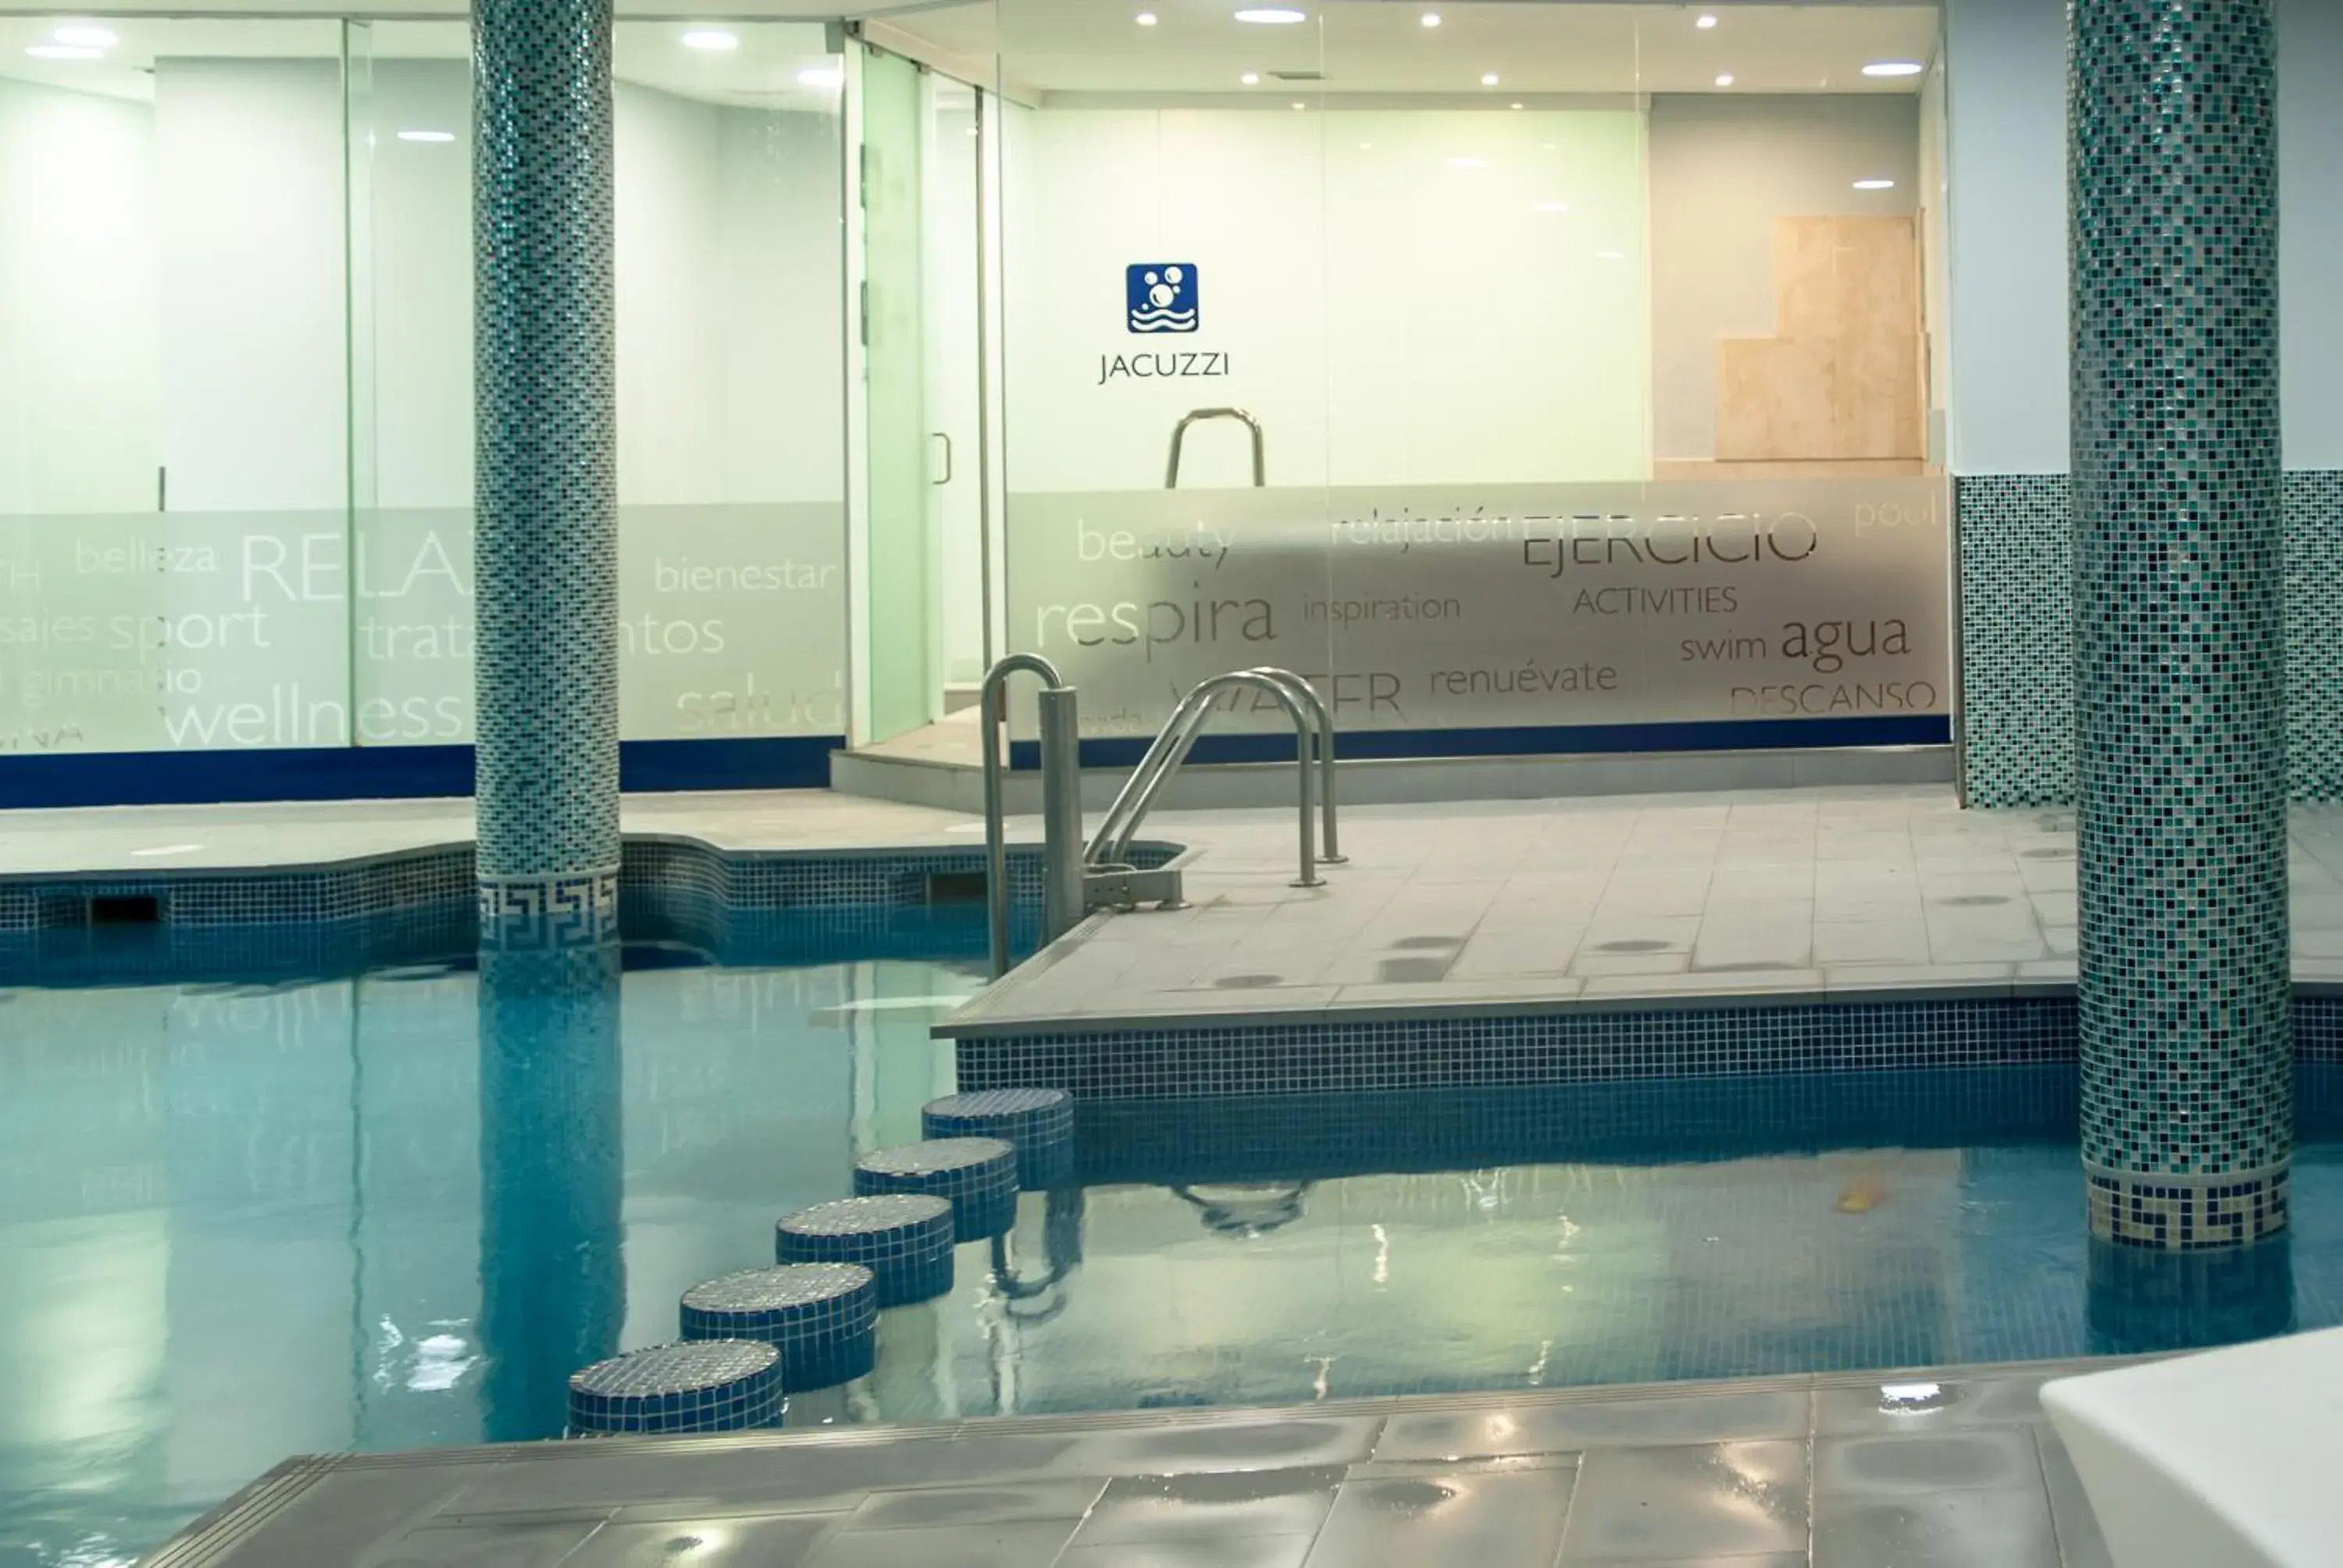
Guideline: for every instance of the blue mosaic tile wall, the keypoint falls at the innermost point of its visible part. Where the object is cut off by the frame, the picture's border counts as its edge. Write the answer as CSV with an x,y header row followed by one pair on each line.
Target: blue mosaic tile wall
x,y
1732,1044
546,551
2183,1011
2017,644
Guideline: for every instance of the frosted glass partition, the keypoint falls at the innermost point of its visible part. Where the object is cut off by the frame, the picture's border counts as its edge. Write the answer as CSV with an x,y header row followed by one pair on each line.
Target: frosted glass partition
x,y
172,450
1478,607
1559,368
235,366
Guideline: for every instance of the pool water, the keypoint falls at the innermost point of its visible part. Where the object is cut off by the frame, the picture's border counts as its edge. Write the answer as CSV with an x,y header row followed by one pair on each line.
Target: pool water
x,y
396,1209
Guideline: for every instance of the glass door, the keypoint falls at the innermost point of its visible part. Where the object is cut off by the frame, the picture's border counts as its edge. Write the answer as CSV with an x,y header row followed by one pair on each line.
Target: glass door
x,y
899,621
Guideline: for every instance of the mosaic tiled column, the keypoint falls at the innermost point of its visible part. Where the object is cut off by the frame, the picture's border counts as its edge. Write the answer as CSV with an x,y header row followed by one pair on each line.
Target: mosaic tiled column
x,y
546,485
2187,1043
553,1287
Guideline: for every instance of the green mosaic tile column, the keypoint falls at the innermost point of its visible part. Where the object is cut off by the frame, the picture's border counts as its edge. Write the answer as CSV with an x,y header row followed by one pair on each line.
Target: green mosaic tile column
x,y
2180,655
546,555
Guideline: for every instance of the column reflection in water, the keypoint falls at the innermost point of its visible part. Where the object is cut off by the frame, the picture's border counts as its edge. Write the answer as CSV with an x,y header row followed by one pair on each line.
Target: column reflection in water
x,y
2144,1299
552,1278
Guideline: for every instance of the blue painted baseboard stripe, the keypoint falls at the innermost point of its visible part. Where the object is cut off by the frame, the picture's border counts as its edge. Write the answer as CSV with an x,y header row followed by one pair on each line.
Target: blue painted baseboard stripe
x,y
1535,740
388,772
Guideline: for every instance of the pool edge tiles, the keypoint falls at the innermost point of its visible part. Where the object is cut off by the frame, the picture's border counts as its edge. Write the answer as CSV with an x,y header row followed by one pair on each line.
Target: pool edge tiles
x,y
1459,1048
402,882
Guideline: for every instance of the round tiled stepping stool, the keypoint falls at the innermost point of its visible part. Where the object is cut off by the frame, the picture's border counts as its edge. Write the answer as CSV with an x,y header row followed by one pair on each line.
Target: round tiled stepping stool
x,y
979,1175
1038,1123
822,1317
716,1385
904,1239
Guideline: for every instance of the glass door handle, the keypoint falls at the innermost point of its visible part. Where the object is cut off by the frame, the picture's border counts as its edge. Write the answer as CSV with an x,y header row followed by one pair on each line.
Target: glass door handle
x,y
946,439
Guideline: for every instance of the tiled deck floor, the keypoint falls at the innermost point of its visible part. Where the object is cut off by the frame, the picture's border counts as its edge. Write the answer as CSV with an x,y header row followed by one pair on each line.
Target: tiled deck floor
x,y
1874,894
1880,893
1773,1474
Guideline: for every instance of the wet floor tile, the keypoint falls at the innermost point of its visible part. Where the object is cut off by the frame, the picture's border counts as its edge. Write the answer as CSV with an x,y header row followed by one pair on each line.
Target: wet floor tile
x,y
1221,1551
1552,1428
2071,1517
1222,1446
1009,1504
1991,1458
1907,1405
1027,1546
1646,1504
1770,1560
1486,1518
782,1542
1222,1505
519,1543
1943,1530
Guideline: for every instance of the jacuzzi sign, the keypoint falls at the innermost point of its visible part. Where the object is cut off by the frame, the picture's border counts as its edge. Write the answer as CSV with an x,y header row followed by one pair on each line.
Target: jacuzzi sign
x,y
1160,296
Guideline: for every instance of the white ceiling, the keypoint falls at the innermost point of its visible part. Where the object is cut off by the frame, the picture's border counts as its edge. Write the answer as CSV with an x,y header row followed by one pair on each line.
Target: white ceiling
x,y
763,70
1380,46
1043,49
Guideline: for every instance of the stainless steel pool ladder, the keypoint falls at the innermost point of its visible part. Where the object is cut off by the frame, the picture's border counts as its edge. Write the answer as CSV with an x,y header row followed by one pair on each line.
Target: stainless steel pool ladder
x,y
1180,437
1062,897
1109,847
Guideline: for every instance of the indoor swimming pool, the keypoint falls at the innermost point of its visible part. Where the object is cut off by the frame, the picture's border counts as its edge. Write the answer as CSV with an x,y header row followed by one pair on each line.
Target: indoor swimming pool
x,y
395,1209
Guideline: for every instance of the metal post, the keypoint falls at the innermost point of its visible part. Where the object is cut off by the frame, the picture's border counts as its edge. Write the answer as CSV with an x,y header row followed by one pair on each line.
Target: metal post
x,y
1325,725
992,713
1062,814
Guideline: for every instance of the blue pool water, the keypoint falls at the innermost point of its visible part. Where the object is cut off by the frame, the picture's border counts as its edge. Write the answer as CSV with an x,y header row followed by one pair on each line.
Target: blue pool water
x,y
241,1221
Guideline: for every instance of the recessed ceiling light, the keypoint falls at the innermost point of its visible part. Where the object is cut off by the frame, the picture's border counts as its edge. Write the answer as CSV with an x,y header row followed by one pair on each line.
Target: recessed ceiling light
x,y
64,52
426,135
1894,68
1301,105
1250,79
169,849
1874,185
1430,18
1468,163
1726,80
715,40
1145,18
828,78
1610,255
83,35
1271,16
1705,21
1552,207
1517,106
1489,80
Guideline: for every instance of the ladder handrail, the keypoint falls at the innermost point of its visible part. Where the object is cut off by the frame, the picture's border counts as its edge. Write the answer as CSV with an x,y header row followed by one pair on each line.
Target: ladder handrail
x,y
1180,437
1113,840
1329,848
992,713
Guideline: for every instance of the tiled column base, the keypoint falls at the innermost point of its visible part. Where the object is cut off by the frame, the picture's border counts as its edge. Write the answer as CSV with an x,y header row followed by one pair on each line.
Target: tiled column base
x,y
2162,1212
546,913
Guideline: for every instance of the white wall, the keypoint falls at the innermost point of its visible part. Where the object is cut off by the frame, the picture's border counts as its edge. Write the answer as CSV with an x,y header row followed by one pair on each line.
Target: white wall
x,y
79,384
249,241
1388,298
2008,83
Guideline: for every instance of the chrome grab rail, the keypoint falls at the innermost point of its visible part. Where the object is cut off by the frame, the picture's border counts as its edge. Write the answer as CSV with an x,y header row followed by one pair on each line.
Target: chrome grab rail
x,y
1062,804
1329,849
1180,437
1111,845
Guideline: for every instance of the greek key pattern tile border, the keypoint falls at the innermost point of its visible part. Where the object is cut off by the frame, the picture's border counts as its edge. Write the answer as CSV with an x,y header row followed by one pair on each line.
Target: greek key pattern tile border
x,y
2017,655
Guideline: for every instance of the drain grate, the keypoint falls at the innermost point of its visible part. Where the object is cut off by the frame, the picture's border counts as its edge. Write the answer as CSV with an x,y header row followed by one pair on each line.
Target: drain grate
x,y
125,910
1633,945
1974,900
